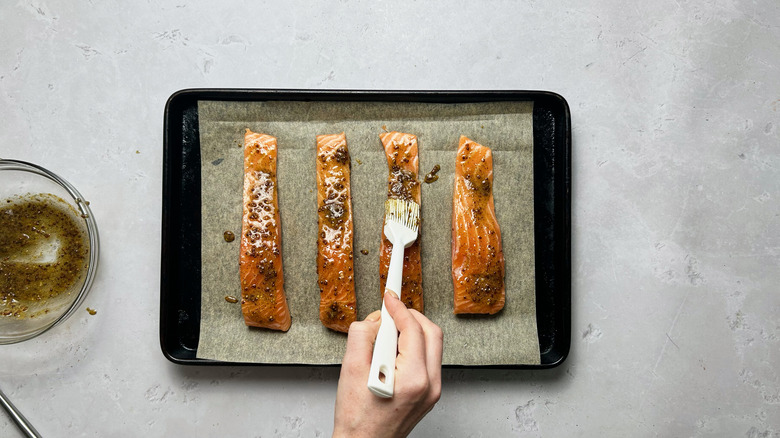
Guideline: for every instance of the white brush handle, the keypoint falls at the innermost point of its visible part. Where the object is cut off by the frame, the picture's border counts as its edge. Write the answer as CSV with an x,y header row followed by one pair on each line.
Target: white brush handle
x,y
381,377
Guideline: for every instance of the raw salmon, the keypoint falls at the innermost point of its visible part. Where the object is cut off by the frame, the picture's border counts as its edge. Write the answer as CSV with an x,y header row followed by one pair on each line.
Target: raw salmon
x,y
477,257
263,302
402,183
334,245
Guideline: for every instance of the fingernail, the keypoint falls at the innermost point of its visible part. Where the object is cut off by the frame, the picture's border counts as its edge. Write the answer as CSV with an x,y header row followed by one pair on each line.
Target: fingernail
x,y
374,316
391,293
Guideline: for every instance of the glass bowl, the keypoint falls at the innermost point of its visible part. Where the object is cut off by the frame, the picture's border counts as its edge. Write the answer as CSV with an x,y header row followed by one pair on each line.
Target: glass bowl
x,y
49,253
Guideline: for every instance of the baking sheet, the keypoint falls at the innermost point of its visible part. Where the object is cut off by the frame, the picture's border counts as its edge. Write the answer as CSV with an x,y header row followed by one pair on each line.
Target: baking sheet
x,y
509,337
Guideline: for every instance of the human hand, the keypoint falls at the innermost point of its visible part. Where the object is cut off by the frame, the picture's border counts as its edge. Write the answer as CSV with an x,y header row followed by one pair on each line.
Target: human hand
x,y
359,413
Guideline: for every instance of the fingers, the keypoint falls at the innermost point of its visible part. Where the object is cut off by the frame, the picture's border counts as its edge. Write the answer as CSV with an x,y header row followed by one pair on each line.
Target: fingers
x,y
420,344
401,315
360,343
434,340
411,339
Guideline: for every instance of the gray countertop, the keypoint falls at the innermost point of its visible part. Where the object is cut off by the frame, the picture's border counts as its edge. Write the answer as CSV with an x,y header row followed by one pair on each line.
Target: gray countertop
x,y
675,219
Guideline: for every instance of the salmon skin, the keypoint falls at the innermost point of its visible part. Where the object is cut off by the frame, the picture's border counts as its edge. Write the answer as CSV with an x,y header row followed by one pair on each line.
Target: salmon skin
x,y
338,306
263,302
477,257
402,183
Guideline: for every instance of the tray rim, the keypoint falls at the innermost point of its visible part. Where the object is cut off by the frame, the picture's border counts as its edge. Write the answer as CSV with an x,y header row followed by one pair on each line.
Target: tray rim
x,y
563,217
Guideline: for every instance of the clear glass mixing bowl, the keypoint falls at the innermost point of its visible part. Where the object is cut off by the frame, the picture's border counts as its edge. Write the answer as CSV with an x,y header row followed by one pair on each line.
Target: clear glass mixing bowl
x,y
21,180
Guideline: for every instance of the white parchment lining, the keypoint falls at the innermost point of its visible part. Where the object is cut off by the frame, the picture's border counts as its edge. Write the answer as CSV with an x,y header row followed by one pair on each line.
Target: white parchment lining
x,y
507,338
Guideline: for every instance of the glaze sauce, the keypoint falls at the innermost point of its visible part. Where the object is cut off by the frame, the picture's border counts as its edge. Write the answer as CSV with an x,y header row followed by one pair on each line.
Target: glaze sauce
x,y
44,253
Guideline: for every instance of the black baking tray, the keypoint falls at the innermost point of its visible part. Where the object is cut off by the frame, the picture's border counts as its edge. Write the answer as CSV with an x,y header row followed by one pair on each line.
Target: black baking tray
x,y
181,220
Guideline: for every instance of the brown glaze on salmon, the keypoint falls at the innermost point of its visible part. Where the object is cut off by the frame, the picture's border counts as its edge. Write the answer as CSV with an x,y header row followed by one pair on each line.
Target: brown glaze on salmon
x,y
338,307
477,257
402,183
263,302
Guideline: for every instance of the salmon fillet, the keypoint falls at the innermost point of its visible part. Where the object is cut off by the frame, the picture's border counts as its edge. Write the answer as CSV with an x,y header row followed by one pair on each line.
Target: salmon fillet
x,y
263,302
402,183
338,307
477,257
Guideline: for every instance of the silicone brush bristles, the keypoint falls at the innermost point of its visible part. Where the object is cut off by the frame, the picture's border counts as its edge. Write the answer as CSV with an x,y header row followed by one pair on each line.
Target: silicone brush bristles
x,y
406,213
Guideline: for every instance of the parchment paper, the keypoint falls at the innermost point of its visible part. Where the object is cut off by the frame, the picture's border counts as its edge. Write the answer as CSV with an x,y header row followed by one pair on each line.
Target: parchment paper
x,y
509,337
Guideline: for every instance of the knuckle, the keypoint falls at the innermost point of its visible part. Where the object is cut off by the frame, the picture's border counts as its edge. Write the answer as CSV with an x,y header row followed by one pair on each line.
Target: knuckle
x,y
435,393
417,388
357,327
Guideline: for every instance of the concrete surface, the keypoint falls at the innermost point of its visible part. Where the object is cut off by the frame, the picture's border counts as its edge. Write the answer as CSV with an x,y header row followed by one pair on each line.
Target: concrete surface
x,y
676,226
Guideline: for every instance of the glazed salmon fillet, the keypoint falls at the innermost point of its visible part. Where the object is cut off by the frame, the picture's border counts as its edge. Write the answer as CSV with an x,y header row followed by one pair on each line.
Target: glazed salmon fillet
x,y
477,257
402,183
338,306
263,302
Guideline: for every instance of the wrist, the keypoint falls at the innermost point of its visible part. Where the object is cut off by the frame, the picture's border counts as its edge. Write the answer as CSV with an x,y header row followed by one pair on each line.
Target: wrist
x,y
362,432
339,432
